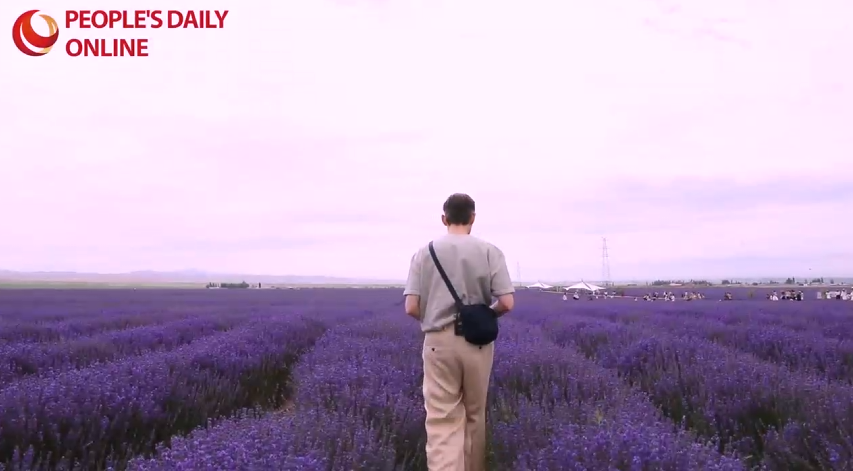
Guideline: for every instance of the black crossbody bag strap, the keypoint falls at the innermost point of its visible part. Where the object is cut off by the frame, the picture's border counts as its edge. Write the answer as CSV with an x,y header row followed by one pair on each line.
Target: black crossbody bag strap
x,y
444,277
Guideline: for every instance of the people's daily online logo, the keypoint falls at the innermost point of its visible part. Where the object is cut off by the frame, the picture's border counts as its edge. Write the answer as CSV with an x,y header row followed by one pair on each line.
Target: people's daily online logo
x,y
35,43
38,45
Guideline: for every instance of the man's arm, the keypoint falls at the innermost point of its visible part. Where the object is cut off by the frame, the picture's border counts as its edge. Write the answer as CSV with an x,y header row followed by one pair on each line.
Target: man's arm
x,y
501,285
413,289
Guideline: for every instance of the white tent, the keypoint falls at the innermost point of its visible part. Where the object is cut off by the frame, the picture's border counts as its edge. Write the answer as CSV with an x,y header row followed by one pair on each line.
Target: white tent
x,y
584,286
539,285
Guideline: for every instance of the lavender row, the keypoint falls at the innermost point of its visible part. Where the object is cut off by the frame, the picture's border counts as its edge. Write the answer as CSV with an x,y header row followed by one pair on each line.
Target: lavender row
x,y
29,332
359,407
779,419
117,410
40,306
830,319
800,349
56,315
23,359
804,350
553,409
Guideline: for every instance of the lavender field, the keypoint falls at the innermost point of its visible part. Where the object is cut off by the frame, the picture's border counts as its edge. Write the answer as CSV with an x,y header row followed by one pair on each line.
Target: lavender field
x,y
330,380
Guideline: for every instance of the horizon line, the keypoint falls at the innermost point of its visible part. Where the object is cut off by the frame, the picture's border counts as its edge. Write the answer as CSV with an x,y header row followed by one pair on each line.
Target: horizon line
x,y
358,278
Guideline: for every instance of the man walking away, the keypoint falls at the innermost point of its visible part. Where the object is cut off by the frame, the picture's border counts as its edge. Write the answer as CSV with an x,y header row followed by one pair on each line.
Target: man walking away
x,y
456,372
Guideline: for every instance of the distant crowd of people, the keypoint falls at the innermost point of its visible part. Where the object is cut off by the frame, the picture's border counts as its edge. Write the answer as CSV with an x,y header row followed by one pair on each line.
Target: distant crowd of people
x,y
670,296
656,296
842,295
595,295
787,295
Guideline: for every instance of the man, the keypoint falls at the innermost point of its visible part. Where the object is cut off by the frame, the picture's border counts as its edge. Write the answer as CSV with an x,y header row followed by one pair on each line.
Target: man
x,y
456,373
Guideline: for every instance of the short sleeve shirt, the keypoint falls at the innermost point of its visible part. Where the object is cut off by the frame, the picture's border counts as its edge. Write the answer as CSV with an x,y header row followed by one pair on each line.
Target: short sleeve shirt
x,y
476,268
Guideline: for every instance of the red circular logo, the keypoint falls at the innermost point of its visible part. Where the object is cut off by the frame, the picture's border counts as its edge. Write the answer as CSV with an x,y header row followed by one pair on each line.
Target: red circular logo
x,y
28,41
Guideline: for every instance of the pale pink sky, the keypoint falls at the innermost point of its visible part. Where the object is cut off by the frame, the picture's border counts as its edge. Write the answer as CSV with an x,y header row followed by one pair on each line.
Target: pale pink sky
x,y
702,138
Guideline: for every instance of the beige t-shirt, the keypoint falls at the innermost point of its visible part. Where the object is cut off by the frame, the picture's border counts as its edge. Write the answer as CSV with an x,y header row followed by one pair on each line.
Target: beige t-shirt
x,y
476,268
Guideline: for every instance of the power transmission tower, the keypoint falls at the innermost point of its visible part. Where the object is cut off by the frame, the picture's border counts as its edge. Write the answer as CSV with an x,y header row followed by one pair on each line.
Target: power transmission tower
x,y
605,263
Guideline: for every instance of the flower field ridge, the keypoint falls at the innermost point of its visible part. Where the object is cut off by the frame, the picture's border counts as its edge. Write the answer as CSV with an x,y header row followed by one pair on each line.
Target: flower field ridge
x,y
330,379
23,359
119,409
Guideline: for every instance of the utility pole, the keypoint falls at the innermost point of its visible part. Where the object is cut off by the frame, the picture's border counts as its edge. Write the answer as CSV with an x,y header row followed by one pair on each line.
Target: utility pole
x,y
605,263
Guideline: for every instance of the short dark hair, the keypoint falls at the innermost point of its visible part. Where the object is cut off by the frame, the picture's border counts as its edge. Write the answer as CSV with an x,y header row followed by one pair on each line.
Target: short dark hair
x,y
459,209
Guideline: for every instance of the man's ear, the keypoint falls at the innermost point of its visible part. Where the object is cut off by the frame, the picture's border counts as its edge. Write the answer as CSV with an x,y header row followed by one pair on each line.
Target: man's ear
x,y
473,216
444,220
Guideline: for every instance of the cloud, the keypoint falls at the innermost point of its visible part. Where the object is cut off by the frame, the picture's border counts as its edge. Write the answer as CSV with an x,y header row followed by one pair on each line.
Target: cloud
x,y
326,145
632,205
719,266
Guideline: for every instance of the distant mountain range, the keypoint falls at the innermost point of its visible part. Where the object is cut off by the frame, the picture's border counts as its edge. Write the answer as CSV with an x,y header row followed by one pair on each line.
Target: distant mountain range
x,y
182,276
151,277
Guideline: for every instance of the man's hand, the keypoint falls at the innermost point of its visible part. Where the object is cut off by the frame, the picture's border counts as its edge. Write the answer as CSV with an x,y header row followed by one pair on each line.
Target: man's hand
x,y
504,304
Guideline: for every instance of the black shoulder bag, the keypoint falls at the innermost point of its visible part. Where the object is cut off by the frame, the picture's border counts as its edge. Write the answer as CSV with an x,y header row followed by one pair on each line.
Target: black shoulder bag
x,y
478,323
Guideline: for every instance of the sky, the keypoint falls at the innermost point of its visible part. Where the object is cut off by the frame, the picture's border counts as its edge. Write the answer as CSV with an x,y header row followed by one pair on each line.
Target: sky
x,y
706,139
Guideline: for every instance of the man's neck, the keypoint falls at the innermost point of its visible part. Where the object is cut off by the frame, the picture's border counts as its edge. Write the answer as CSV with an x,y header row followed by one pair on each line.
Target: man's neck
x,y
459,230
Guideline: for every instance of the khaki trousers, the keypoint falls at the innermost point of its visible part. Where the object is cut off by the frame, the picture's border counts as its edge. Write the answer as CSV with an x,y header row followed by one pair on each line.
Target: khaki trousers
x,y
456,382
